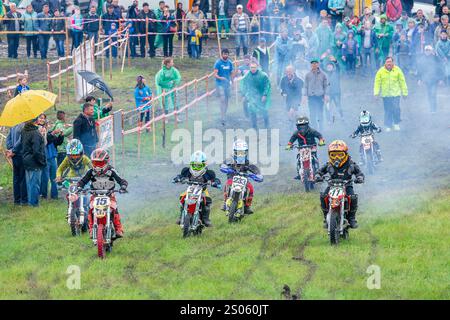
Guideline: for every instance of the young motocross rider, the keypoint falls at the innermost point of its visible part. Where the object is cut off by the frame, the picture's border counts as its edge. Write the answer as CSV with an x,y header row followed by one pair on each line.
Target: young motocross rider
x,y
340,166
366,125
240,163
103,176
198,172
305,135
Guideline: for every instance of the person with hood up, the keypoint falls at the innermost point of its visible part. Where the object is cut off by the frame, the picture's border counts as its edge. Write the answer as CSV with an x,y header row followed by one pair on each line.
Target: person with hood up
x,y
334,91
339,38
394,9
384,32
166,79
443,53
283,48
325,37
312,40
256,89
428,74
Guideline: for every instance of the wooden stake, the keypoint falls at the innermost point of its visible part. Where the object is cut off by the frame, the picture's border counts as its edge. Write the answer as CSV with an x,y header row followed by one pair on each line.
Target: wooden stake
x,y
218,36
67,61
182,37
110,58
146,36
59,81
154,128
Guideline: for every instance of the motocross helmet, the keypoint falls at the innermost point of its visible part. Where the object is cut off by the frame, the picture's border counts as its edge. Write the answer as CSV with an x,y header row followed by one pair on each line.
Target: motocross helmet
x,y
197,166
240,152
365,118
100,160
337,153
302,124
74,152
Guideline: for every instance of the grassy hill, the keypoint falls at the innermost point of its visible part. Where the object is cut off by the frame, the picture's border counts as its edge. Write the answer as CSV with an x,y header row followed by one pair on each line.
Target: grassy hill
x,y
282,243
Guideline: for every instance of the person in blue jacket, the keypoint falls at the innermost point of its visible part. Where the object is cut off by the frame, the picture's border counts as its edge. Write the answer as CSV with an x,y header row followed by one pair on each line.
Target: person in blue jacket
x,y
142,95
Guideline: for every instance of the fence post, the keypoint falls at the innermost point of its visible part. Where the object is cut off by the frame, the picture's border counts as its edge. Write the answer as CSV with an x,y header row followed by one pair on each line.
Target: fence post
x,y
154,128
110,58
67,60
182,37
50,86
59,81
186,102
128,49
175,108
207,98
164,119
196,95
218,36
146,36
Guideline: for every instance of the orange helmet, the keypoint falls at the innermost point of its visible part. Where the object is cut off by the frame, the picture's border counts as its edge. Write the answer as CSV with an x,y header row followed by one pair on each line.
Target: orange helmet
x,y
337,153
100,160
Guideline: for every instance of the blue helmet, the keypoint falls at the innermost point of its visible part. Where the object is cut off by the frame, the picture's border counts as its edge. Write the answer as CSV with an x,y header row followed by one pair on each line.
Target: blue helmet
x,y
74,151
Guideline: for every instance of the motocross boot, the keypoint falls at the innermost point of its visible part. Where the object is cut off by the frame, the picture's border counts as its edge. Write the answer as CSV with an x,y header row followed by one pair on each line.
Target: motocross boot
x,y
352,212
248,210
118,225
205,216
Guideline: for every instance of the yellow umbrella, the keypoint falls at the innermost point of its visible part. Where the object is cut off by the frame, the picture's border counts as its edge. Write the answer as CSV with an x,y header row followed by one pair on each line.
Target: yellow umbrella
x,y
26,106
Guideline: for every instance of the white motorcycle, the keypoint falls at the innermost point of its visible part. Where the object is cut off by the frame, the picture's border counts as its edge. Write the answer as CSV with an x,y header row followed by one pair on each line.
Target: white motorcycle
x,y
77,207
234,205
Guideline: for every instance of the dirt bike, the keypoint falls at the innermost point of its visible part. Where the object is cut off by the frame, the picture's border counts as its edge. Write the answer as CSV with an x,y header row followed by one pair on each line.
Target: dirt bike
x,y
305,165
338,207
77,208
191,202
103,232
370,158
237,193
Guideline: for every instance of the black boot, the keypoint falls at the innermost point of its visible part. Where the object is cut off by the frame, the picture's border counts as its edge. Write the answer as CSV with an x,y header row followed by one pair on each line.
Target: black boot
x,y
248,210
352,220
324,209
205,216
352,212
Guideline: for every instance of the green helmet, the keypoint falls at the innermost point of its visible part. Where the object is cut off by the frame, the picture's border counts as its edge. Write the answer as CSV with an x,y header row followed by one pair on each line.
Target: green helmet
x,y
74,151
197,166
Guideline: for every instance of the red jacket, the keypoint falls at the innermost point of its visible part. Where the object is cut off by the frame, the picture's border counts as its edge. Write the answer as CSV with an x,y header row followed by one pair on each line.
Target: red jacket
x,y
256,6
394,10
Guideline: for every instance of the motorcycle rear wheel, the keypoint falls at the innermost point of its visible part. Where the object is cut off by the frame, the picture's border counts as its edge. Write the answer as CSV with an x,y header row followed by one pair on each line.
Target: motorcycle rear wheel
x,y
334,228
100,245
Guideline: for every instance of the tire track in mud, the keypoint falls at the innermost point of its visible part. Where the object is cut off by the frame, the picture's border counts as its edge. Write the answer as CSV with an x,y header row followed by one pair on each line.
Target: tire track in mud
x,y
309,264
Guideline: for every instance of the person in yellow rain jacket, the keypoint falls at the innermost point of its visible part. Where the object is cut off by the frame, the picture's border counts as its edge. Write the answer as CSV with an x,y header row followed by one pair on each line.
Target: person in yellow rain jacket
x,y
391,85
194,40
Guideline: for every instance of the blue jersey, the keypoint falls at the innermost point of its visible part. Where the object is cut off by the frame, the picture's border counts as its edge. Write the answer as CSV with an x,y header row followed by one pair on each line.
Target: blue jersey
x,y
225,68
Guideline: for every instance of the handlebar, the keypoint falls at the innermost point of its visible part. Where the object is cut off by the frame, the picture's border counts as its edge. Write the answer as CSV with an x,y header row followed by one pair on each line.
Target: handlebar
x,y
102,192
304,146
202,184
254,177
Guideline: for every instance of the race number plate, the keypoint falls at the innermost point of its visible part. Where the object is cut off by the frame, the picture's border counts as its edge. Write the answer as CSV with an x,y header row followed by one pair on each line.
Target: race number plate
x,y
336,192
241,181
101,201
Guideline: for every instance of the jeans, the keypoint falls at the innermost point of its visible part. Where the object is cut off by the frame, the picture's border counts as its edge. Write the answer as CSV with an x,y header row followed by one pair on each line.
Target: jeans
x,y
32,41
146,115
241,41
223,23
49,172
368,60
19,181
151,44
336,99
60,158
199,47
77,39
33,178
168,44
93,34
316,111
195,51
13,45
43,45
254,120
350,64
391,111
60,47
432,95
134,41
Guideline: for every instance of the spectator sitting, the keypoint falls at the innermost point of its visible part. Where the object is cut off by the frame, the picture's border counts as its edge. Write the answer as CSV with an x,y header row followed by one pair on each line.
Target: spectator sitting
x,y
22,85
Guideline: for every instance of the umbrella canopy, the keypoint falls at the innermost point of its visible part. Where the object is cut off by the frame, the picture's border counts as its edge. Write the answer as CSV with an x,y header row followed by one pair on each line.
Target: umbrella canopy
x,y
26,106
95,80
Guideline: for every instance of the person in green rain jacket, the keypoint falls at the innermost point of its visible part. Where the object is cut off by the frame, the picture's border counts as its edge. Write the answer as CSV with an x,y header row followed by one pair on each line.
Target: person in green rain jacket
x,y
159,25
384,33
325,36
256,89
166,79
339,38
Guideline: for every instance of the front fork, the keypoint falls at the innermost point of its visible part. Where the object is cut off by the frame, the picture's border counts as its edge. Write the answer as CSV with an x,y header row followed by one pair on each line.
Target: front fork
x,y
108,226
342,220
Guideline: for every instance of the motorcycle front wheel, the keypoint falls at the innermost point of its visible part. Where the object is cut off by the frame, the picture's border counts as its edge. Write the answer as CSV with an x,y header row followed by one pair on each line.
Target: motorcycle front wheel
x,y
186,225
334,227
75,227
100,245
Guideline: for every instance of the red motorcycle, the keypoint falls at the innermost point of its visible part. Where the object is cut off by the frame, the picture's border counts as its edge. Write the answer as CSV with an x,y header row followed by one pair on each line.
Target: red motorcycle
x,y
305,165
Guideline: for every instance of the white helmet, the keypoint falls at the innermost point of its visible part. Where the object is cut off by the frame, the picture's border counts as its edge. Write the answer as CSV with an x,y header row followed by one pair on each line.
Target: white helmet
x,y
240,151
197,166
